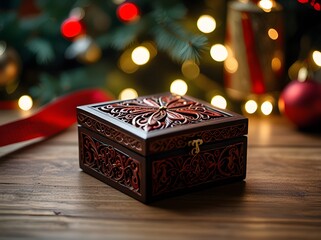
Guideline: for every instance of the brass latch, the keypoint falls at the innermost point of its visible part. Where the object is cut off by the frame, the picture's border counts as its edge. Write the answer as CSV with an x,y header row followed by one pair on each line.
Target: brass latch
x,y
196,146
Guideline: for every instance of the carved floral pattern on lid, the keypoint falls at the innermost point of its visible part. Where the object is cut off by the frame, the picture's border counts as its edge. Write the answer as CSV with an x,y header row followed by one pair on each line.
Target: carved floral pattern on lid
x,y
152,113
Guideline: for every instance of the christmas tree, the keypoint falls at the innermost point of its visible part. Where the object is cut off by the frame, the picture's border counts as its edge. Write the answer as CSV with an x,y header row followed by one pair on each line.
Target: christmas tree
x,y
129,48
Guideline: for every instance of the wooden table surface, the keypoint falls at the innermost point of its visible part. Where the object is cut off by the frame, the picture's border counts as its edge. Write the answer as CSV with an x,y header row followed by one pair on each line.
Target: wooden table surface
x,y
44,195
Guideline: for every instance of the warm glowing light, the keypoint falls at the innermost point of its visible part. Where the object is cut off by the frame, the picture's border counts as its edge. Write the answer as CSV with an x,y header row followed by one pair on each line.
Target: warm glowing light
x,y
250,106
140,55
219,101
126,63
231,65
179,87
266,108
126,60
281,105
316,55
25,102
218,52
151,46
128,93
302,74
190,69
11,71
206,24
295,68
273,34
266,5
276,64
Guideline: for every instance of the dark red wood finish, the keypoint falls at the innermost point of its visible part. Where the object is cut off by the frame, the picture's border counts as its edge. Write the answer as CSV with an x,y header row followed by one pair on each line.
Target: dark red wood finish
x,y
156,146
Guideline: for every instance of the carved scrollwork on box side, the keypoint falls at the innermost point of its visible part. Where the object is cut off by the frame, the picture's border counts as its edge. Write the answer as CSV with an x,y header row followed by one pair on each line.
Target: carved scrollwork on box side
x,y
180,172
111,163
224,133
109,132
167,144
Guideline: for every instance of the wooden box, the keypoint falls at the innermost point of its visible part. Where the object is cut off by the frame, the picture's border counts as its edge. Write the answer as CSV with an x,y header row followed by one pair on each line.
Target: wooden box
x,y
156,146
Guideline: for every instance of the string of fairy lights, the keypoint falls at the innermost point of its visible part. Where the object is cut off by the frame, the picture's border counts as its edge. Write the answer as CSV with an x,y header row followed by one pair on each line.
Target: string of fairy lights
x,y
136,56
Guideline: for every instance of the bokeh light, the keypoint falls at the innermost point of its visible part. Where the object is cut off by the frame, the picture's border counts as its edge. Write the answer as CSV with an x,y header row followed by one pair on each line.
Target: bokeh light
x,y
128,12
266,108
151,46
128,93
190,69
140,55
25,102
206,24
295,68
219,101
316,55
231,65
71,27
218,52
276,64
250,106
273,34
179,87
265,5
302,74
126,63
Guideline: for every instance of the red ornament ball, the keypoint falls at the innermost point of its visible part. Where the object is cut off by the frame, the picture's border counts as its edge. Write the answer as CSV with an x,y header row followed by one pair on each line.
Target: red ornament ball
x,y
127,12
300,102
72,27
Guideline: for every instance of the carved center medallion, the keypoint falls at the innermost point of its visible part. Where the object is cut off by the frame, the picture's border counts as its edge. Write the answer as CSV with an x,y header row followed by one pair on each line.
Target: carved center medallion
x,y
153,113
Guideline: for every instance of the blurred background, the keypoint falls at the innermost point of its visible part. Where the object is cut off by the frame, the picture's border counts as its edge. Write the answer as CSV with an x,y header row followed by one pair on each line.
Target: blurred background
x,y
256,57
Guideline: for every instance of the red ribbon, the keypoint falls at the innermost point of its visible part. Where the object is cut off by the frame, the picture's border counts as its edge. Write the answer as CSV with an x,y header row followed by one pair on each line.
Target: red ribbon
x,y
8,105
51,119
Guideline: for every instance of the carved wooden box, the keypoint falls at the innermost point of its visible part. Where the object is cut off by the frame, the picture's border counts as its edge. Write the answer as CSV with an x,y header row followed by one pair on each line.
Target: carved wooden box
x,y
155,146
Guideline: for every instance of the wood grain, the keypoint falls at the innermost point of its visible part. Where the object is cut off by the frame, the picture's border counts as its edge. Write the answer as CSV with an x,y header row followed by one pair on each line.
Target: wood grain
x,y
44,195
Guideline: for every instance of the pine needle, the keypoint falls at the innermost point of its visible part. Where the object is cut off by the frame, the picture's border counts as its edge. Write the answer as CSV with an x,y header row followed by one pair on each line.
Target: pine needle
x,y
179,44
121,37
42,49
173,38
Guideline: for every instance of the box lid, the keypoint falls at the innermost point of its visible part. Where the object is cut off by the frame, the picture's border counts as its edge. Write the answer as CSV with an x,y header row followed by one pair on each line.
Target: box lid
x,y
160,123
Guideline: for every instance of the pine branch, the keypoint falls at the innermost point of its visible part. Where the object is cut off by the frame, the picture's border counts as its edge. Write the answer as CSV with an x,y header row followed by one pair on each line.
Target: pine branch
x,y
121,37
47,90
42,49
168,35
179,44
7,18
79,78
171,12
32,23
57,9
